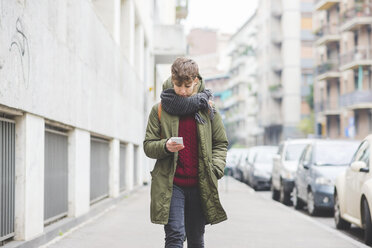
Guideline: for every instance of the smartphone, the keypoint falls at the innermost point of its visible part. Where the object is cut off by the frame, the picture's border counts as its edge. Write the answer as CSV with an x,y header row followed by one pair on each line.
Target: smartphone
x,y
178,140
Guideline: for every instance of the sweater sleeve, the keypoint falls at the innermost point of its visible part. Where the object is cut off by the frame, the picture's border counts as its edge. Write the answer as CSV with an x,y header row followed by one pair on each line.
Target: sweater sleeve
x,y
154,145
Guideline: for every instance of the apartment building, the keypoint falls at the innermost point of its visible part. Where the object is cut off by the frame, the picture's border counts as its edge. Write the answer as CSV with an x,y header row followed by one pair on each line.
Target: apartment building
x,y
284,58
343,89
239,98
75,79
208,48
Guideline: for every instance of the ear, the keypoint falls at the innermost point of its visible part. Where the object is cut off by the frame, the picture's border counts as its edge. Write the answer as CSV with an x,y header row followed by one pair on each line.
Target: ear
x,y
196,87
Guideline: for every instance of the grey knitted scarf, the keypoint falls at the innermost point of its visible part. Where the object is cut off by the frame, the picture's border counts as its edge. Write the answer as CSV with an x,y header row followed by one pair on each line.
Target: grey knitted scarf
x,y
177,105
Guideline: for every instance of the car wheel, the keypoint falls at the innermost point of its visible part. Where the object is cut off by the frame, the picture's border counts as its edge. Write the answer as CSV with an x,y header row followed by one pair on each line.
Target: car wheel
x,y
367,223
297,203
274,193
311,208
241,176
340,223
285,197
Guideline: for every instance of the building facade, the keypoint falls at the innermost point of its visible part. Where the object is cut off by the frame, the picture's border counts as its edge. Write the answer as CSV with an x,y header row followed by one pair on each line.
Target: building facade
x,y
343,89
208,48
240,106
284,66
76,81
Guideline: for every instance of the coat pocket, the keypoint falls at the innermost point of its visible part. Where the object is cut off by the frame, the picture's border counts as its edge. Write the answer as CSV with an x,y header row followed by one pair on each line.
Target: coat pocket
x,y
213,175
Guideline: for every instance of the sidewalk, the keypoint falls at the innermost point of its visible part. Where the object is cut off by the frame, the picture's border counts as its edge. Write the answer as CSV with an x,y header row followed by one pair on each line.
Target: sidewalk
x,y
253,222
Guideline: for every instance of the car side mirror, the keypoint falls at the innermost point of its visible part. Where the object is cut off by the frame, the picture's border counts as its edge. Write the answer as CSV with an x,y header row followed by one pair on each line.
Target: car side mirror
x,y
359,166
306,165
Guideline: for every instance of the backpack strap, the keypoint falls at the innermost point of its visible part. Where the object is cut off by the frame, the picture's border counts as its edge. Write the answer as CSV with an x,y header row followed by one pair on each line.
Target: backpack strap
x,y
159,111
159,117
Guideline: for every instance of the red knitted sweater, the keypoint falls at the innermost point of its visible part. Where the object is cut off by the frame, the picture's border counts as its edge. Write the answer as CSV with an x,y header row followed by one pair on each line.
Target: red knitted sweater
x,y
187,165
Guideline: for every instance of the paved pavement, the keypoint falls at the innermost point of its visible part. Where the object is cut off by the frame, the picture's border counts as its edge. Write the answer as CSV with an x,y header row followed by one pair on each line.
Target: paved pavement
x,y
254,221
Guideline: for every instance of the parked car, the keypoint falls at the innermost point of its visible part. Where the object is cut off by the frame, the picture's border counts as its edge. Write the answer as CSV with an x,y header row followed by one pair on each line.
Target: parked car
x,y
284,168
259,169
232,160
320,163
241,165
249,164
353,192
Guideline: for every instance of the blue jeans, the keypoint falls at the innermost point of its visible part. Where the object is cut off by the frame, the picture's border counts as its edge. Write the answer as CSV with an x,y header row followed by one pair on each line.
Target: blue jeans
x,y
186,219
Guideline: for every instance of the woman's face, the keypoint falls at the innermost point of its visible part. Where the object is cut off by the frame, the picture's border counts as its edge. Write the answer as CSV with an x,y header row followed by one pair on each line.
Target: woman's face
x,y
185,89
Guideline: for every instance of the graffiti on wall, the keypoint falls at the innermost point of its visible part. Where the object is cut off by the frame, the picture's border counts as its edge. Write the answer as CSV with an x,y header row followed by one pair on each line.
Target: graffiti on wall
x,y
20,47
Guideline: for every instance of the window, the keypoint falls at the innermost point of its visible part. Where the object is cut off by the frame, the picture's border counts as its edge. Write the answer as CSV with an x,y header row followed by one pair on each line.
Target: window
x,y
306,23
363,152
356,40
280,150
328,126
356,123
306,155
355,79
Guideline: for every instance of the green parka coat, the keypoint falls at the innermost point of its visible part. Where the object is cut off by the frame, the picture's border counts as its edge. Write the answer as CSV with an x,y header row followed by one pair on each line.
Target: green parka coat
x,y
212,147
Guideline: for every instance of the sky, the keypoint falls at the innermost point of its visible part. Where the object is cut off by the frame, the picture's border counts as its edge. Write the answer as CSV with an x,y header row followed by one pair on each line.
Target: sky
x,y
224,15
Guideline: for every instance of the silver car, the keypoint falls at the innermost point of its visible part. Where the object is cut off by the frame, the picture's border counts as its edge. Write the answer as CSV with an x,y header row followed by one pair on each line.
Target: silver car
x,y
321,162
284,169
260,167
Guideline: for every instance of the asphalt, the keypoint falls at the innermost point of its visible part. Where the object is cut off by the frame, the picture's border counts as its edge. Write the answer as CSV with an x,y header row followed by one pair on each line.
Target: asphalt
x,y
253,221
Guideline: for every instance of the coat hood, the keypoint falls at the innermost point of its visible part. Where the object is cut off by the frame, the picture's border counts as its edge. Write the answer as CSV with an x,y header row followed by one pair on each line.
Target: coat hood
x,y
168,84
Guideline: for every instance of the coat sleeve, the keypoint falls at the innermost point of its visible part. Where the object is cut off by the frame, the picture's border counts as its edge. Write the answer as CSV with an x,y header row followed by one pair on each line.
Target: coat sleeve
x,y
219,146
153,145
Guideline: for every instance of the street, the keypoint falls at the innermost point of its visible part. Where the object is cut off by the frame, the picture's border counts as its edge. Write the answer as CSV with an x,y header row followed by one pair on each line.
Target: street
x,y
254,221
324,218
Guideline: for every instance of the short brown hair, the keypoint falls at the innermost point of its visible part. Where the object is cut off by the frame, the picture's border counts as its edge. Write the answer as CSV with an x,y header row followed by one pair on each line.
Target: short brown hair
x,y
184,70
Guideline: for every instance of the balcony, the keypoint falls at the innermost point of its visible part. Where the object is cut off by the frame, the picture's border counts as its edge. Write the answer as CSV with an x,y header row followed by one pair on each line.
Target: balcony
x,y
167,50
328,70
327,34
357,100
276,9
332,106
276,91
361,56
276,39
325,4
319,106
354,18
277,66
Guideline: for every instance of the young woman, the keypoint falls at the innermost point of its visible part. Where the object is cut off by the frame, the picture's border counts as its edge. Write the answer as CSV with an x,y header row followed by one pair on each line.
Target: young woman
x,y
184,195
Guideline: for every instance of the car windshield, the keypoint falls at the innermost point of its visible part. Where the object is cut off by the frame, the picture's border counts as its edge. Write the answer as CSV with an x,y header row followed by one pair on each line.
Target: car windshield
x,y
265,156
293,152
334,153
231,158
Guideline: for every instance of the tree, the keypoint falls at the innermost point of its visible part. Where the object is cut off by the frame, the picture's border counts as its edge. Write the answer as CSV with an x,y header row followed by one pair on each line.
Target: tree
x,y
306,125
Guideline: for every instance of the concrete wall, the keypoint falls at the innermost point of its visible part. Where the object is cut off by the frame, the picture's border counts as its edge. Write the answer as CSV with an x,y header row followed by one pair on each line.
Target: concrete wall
x,y
85,66
63,66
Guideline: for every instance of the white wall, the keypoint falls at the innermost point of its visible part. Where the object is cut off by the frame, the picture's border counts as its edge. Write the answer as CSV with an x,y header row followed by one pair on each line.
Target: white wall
x,y
71,71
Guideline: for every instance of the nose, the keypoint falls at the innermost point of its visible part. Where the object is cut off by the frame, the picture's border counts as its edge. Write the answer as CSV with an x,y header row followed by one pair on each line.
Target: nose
x,y
183,92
